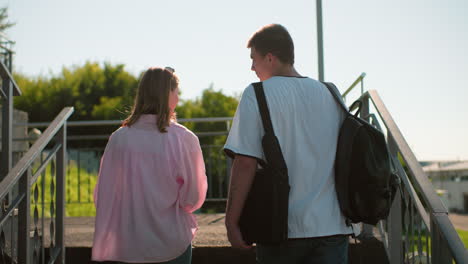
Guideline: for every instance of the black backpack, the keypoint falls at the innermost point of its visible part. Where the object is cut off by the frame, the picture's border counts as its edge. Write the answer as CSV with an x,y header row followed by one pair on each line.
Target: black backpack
x,y
364,183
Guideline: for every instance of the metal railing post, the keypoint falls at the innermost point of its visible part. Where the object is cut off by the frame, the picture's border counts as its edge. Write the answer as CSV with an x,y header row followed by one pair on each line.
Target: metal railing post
x,y
439,249
360,79
60,199
10,61
416,198
24,242
362,84
395,223
7,128
320,41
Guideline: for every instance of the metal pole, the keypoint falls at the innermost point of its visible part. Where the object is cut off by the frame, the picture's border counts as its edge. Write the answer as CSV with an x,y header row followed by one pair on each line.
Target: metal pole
x,y
7,128
320,40
394,220
24,240
10,61
362,85
60,198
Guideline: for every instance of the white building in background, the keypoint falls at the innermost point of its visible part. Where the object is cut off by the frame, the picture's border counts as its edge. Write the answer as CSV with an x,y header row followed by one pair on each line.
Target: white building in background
x,y
450,180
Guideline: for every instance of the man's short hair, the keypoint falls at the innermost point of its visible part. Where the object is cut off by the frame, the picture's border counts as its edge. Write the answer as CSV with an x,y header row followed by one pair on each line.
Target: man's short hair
x,y
274,39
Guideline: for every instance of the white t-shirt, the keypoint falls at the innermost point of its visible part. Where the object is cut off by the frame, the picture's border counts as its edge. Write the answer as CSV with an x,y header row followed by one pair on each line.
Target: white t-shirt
x,y
306,120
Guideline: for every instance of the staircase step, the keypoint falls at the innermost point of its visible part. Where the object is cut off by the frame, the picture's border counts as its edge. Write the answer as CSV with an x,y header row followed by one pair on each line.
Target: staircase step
x,y
370,251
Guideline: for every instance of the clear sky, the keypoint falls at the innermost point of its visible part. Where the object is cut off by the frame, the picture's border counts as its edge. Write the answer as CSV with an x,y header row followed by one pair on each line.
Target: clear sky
x,y
415,53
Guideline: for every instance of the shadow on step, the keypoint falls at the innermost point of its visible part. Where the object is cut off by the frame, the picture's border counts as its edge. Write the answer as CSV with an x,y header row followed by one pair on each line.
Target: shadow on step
x,y
369,251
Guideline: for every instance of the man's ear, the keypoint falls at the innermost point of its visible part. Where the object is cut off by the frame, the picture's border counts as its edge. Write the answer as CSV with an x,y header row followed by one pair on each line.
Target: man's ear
x,y
270,57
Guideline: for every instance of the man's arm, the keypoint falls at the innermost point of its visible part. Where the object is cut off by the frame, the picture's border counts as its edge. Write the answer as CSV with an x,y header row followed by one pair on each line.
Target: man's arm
x,y
242,175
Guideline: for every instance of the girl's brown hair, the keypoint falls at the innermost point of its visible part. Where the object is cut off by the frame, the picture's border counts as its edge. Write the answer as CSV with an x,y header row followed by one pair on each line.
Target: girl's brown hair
x,y
152,97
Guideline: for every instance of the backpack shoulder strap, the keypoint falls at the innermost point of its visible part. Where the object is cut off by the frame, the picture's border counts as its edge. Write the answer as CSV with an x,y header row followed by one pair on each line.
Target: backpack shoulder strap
x,y
263,107
334,91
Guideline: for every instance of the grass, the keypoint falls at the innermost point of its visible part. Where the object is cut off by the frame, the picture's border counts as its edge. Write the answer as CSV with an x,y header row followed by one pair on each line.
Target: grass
x,y
424,246
463,236
79,192
414,246
80,202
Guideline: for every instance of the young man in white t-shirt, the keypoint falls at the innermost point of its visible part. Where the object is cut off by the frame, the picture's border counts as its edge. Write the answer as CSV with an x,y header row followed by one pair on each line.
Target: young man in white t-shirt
x,y
306,120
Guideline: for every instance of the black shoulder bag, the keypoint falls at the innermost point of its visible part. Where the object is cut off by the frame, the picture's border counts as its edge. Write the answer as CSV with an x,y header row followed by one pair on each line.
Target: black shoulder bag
x,y
264,218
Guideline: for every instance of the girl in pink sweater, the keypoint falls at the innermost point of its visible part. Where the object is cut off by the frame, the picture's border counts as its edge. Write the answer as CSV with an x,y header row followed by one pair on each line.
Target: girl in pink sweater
x,y
151,180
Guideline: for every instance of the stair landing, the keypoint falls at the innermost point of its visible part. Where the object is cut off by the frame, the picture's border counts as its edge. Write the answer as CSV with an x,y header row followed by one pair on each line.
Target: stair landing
x,y
79,231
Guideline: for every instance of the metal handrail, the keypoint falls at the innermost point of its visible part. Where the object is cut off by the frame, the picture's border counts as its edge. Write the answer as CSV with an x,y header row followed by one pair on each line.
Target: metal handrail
x,y
360,79
15,174
444,235
8,90
86,168
19,178
6,41
5,75
119,122
422,182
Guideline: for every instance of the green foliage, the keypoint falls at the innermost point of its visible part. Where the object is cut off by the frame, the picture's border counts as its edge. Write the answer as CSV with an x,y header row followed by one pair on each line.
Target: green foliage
x,y
422,241
211,104
4,23
106,92
103,92
97,92
106,108
463,236
79,192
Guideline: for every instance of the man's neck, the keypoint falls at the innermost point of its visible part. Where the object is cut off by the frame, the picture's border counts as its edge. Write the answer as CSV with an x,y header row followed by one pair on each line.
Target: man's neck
x,y
287,70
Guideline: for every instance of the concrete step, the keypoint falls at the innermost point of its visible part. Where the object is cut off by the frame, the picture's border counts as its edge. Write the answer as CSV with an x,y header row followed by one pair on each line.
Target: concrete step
x,y
200,255
370,251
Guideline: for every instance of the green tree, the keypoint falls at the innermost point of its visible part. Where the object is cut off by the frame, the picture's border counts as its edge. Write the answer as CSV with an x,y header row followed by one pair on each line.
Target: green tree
x,y
106,92
97,92
4,23
211,104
